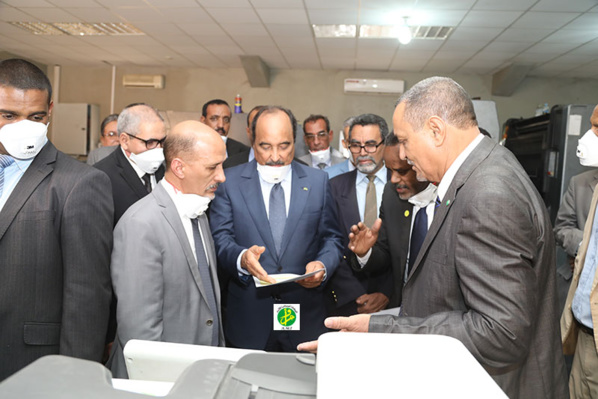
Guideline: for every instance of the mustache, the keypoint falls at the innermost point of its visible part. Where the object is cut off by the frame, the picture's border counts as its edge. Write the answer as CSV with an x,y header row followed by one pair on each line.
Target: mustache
x,y
409,161
213,186
275,163
401,186
365,158
220,130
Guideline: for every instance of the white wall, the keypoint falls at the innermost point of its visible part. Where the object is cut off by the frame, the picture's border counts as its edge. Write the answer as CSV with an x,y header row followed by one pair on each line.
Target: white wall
x,y
303,91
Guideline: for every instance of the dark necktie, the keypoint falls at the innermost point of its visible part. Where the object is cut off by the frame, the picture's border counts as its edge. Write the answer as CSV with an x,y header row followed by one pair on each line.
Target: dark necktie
x,y
147,182
418,234
5,161
206,279
277,215
371,204
321,165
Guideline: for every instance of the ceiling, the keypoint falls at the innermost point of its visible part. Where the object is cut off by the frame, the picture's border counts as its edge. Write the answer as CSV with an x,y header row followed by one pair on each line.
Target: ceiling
x,y
557,38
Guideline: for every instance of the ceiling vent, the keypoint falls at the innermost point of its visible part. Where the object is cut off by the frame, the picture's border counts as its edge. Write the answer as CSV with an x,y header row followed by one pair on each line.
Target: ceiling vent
x,y
374,86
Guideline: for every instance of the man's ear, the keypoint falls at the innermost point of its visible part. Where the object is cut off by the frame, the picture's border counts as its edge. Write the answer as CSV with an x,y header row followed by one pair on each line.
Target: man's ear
x,y
439,129
177,166
50,108
202,119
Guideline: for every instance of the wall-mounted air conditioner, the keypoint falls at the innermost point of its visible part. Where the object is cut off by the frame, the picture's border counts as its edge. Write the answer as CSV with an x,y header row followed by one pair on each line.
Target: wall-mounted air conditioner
x,y
152,81
374,86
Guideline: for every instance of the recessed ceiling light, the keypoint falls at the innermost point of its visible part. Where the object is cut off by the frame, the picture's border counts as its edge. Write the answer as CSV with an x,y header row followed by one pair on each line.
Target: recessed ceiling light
x,y
79,28
335,30
392,32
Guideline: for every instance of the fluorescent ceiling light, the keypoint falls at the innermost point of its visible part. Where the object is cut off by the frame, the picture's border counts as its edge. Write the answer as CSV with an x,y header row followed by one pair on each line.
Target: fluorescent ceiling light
x,y
335,30
79,28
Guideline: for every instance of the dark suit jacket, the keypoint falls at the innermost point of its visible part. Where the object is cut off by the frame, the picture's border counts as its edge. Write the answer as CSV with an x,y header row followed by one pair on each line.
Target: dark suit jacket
x,y
127,188
392,245
55,243
346,286
238,220
234,147
236,159
485,275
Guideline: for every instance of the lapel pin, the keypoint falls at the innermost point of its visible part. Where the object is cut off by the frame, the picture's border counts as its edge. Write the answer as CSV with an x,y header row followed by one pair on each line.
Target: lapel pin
x,y
448,202
406,214
304,188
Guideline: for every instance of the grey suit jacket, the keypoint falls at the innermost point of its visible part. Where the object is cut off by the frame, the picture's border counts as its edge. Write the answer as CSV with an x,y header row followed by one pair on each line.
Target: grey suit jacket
x,y
335,157
55,243
100,153
574,210
485,276
161,296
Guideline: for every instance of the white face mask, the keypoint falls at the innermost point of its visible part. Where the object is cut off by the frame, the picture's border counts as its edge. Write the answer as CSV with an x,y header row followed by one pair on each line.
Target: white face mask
x,y
150,160
192,205
322,156
24,139
587,149
273,174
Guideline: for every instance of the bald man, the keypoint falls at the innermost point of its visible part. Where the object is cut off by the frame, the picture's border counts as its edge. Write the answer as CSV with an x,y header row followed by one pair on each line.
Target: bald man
x,y
164,264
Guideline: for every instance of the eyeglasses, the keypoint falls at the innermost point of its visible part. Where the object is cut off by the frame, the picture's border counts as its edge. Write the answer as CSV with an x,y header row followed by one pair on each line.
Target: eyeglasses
x,y
109,134
355,148
311,137
149,144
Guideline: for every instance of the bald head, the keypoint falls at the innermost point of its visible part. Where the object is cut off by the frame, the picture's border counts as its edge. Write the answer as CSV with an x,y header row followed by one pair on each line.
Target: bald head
x,y
194,154
191,139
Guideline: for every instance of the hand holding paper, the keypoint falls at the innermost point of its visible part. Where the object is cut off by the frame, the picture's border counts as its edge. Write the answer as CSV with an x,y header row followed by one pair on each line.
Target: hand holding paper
x,y
250,262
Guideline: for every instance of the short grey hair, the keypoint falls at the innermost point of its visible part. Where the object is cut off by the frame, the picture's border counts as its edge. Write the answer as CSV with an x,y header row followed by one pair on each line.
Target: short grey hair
x,y
348,121
438,96
370,119
133,115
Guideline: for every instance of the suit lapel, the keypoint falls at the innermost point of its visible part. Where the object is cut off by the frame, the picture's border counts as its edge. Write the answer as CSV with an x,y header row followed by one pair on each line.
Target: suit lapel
x,y
349,199
593,181
300,188
204,225
129,175
474,159
251,191
40,168
170,213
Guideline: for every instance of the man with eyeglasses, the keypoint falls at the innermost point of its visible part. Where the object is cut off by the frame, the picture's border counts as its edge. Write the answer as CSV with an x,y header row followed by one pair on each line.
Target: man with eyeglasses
x,y
394,241
108,140
358,195
137,166
216,114
318,136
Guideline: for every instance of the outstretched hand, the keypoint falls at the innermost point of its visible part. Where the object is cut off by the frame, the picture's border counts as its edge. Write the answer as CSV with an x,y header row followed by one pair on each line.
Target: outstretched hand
x,y
362,238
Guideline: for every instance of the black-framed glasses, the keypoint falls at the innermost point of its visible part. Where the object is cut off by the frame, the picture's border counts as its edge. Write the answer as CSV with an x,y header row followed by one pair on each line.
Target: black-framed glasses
x,y
321,135
109,134
151,143
370,148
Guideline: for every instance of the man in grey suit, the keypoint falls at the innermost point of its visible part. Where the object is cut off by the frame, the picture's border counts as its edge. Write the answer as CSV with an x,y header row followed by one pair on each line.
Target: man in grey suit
x,y
485,271
108,140
318,136
571,219
163,263
55,233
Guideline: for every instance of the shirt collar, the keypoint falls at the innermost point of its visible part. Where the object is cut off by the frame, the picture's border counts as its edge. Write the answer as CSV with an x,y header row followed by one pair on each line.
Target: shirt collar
x,y
136,168
448,177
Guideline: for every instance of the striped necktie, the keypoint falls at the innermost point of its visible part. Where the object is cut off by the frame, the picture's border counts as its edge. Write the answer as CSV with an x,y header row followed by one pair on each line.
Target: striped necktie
x,y
5,162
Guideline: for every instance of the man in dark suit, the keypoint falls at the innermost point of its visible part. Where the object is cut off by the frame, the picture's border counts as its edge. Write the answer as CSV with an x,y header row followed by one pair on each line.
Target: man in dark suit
x,y
164,263
216,114
271,216
387,248
247,154
55,233
137,166
485,272
108,140
358,195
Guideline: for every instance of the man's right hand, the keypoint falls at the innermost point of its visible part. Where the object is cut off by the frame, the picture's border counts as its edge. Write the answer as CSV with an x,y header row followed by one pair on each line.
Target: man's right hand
x,y
250,262
362,238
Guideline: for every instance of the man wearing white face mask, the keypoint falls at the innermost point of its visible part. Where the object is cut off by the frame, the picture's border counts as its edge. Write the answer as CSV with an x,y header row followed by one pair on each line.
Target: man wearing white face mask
x,y
55,233
578,322
318,136
274,215
135,167
164,262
